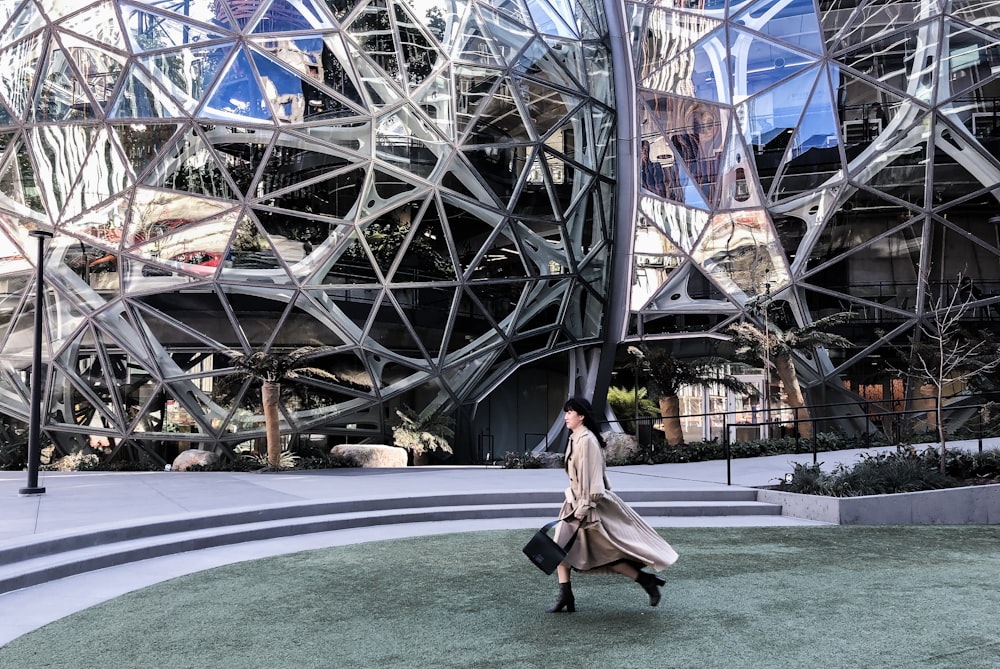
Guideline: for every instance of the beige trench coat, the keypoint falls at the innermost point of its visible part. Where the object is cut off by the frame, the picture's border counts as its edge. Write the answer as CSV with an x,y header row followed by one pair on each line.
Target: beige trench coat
x,y
611,530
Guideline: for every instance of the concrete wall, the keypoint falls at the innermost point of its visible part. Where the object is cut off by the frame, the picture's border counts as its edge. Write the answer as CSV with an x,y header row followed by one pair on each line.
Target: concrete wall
x,y
975,505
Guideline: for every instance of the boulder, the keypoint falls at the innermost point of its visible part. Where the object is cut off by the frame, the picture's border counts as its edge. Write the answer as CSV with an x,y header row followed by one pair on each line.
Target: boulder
x,y
194,458
371,455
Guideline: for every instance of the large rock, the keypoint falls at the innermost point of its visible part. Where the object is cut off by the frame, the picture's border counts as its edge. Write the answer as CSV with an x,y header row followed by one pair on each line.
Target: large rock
x,y
371,455
194,458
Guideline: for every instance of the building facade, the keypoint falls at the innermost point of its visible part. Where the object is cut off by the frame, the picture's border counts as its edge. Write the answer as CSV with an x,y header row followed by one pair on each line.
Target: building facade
x,y
467,207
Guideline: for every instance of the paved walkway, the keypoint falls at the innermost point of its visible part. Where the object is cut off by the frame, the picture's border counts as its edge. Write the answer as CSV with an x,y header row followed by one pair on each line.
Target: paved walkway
x,y
75,502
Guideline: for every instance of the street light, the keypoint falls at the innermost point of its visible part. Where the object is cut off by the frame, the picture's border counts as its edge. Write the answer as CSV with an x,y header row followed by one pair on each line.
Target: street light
x,y
35,419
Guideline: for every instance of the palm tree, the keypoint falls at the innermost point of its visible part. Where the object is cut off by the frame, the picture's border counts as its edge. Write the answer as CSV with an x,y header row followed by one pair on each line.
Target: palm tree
x,y
668,374
271,369
775,346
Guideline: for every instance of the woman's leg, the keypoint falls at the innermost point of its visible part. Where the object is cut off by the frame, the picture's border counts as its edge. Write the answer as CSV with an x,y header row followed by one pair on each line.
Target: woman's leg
x,y
650,582
566,599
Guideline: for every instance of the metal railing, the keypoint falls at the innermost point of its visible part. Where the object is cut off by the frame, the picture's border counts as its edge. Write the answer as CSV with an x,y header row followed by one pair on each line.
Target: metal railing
x,y
878,425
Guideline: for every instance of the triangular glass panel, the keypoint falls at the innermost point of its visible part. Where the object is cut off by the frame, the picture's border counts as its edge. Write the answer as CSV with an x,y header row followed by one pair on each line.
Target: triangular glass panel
x,y
52,141
371,30
24,22
769,62
740,251
771,19
408,141
104,174
354,264
72,403
681,225
209,62
142,143
475,88
498,257
903,159
313,83
534,197
61,95
238,96
589,15
391,329
436,99
191,165
508,37
253,249
242,160
17,349
487,308
149,31
961,166
875,285
655,258
289,16
421,55
101,68
155,215
387,186
99,22
195,248
430,311
736,186
869,61
967,60
68,314
670,34
162,323
976,260
543,302
387,235
17,179
474,44
869,113
550,107
379,88
499,118
16,91
515,9
336,196
141,98
693,71
427,256
554,18
540,61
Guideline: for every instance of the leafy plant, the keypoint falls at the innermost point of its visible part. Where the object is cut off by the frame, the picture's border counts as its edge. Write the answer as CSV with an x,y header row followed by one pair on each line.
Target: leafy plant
x,y
623,402
423,434
287,460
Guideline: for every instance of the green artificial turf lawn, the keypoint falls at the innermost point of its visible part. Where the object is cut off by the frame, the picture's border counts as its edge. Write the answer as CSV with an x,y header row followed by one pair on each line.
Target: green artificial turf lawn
x,y
801,597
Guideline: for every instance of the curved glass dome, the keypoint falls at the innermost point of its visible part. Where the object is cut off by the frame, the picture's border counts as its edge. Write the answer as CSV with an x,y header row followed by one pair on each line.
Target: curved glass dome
x,y
422,189
828,157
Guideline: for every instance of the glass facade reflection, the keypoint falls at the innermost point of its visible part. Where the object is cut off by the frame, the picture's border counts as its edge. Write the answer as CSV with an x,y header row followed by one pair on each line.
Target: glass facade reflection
x,y
420,186
837,156
432,189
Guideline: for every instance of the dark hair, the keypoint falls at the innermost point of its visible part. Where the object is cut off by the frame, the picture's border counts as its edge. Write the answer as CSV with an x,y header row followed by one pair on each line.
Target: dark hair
x,y
582,407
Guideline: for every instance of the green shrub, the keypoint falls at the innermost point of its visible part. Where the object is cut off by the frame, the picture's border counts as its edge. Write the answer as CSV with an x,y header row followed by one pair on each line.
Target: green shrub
x,y
13,457
522,461
904,471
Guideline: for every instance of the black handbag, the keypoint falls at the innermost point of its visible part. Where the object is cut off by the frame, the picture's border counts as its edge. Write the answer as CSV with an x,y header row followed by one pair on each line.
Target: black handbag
x,y
543,550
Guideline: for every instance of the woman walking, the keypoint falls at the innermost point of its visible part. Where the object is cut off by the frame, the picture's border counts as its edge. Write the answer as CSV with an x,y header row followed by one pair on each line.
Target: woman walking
x,y
612,538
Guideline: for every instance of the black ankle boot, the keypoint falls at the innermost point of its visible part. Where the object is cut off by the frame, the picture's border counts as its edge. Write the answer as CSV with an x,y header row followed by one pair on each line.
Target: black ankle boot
x,y
651,584
565,600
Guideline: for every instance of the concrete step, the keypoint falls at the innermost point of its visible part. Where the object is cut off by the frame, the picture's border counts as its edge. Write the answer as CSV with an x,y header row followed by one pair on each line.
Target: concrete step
x,y
46,558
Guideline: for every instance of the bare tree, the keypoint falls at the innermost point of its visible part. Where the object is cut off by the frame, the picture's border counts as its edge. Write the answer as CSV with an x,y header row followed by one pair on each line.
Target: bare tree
x,y
776,346
942,353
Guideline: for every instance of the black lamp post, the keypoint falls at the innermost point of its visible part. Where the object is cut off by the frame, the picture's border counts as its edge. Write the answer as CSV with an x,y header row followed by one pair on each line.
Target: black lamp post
x,y
35,420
